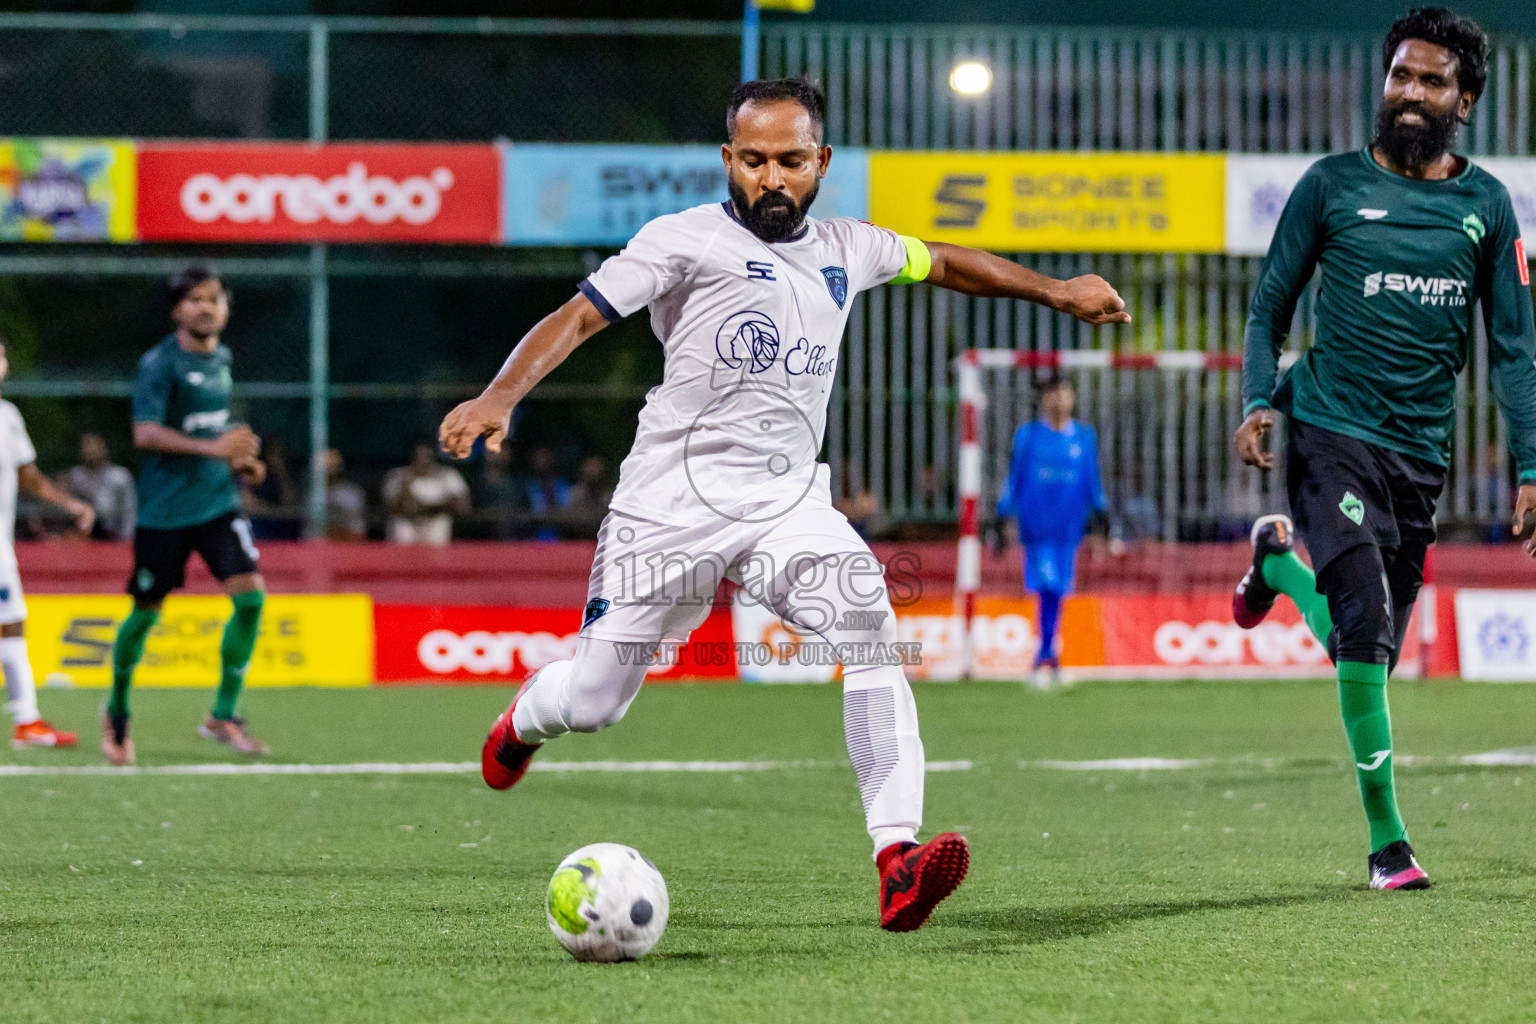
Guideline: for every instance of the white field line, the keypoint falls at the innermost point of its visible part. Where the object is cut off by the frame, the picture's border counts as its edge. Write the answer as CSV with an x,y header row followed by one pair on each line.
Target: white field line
x,y
436,768
1517,757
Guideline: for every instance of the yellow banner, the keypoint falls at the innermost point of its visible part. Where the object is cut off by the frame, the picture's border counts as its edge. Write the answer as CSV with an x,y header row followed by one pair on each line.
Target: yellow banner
x,y
1053,202
323,640
68,190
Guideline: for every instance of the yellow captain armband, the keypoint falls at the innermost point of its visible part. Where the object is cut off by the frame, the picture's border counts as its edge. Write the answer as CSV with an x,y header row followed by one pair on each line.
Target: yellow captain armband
x,y
919,261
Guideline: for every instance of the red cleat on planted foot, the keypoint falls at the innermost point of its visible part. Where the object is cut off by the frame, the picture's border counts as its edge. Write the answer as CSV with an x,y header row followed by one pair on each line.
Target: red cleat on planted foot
x,y
504,758
914,879
40,734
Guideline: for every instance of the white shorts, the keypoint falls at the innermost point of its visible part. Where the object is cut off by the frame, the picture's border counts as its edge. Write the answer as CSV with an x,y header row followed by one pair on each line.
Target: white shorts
x,y
13,604
652,582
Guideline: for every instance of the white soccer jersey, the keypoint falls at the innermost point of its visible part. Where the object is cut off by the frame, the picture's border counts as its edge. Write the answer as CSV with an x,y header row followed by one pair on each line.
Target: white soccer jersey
x,y
15,451
751,332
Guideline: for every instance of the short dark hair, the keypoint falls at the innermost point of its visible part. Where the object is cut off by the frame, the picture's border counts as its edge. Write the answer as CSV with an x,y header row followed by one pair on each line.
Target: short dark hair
x,y
183,281
1054,382
769,90
1461,35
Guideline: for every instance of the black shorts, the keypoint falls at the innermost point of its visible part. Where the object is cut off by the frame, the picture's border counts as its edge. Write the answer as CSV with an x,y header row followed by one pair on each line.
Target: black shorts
x,y
160,556
1346,492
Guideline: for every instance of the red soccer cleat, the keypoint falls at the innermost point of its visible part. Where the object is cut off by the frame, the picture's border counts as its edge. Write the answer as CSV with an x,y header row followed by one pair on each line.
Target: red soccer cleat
x,y
40,734
914,879
504,758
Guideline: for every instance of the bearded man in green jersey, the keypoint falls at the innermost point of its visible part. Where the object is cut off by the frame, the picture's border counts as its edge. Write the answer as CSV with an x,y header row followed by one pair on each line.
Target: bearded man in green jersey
x,y
190,457
1409,237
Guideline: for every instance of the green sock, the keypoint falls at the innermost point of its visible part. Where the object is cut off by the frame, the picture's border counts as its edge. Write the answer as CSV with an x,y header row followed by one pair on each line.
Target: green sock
x,y
1288,574
235,650
1363,699
126,652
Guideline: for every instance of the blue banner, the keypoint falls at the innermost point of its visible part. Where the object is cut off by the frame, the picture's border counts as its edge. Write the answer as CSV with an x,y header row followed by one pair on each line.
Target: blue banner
x,y
554,194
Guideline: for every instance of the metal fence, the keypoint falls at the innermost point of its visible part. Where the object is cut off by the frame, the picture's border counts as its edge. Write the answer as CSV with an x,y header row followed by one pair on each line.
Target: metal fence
x,y
1106,89
891,428
1165,441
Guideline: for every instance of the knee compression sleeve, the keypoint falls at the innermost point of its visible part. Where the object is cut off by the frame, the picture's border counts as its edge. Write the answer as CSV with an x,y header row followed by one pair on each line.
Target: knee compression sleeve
x,y
879,714
1360,604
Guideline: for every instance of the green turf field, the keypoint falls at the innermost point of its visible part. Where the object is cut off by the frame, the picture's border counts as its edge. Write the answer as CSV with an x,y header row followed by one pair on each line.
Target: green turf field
x,y
1229,891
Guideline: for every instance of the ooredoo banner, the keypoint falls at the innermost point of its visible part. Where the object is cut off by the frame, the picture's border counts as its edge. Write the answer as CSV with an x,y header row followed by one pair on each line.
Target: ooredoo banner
x,y
427,643
229,192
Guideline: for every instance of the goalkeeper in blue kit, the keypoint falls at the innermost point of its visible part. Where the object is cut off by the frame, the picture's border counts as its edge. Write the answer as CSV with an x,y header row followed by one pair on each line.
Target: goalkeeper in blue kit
x,y
1053,489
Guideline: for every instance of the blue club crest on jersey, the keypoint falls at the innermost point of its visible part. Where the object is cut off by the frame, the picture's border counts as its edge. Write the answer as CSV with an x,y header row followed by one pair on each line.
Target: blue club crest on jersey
x,y
837,284
596,609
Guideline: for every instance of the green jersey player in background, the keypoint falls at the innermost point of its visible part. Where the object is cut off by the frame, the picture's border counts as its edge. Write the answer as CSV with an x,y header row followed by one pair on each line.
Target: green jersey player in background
x,y
188,502
1409,237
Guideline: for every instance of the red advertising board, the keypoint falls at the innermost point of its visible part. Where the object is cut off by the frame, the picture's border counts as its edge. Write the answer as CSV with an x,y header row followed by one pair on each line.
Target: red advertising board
x,y
293,192
415,643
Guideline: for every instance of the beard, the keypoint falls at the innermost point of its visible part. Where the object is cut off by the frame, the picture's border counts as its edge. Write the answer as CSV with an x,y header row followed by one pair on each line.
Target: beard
x,y
775,217
1415,146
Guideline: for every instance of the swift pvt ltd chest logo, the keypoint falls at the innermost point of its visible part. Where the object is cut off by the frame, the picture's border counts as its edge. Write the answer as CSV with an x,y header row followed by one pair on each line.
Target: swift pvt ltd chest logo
x,y
1431,291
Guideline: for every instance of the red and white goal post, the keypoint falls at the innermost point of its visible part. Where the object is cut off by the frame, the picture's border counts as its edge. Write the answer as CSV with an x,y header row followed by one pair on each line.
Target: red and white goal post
x,y
973,367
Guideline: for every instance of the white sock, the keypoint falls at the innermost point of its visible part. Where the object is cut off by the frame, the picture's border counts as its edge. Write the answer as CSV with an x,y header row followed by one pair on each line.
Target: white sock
x,y
880,725
18,679
543,711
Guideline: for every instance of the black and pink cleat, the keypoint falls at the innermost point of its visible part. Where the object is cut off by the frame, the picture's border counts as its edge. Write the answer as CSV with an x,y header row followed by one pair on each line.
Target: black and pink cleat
x,y
1272,535
1393,867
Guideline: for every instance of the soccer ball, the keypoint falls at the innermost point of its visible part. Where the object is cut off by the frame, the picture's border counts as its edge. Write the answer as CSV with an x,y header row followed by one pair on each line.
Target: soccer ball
x,y
607,903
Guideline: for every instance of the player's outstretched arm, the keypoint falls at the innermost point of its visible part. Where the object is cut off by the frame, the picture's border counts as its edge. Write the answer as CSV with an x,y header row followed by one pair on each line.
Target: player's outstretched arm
x,y
30,480
541,350
237,444
1090,298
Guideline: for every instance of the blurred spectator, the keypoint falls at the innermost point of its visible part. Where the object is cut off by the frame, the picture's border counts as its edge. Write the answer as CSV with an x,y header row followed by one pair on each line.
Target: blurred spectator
x,y
273,505
547,493
107,488
423,498
588,498
346,506
1140,519
862,508
933,495
1497,477
500,499
1241,503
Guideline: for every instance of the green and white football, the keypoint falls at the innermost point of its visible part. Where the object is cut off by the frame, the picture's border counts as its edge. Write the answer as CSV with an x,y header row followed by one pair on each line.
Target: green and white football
x,y
607,903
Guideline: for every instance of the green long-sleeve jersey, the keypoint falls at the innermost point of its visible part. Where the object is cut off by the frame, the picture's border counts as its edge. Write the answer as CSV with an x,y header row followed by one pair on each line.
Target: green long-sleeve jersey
x,y
1403,261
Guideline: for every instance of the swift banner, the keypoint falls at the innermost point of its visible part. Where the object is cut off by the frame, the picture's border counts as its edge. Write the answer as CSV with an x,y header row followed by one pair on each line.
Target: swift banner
x,y
66,190
1052,202
291,192
322,640
601,195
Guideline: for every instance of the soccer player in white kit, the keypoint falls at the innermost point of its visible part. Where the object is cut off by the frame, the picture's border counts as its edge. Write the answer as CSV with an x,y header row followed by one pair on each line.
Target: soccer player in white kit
x,y
19,472
749,298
